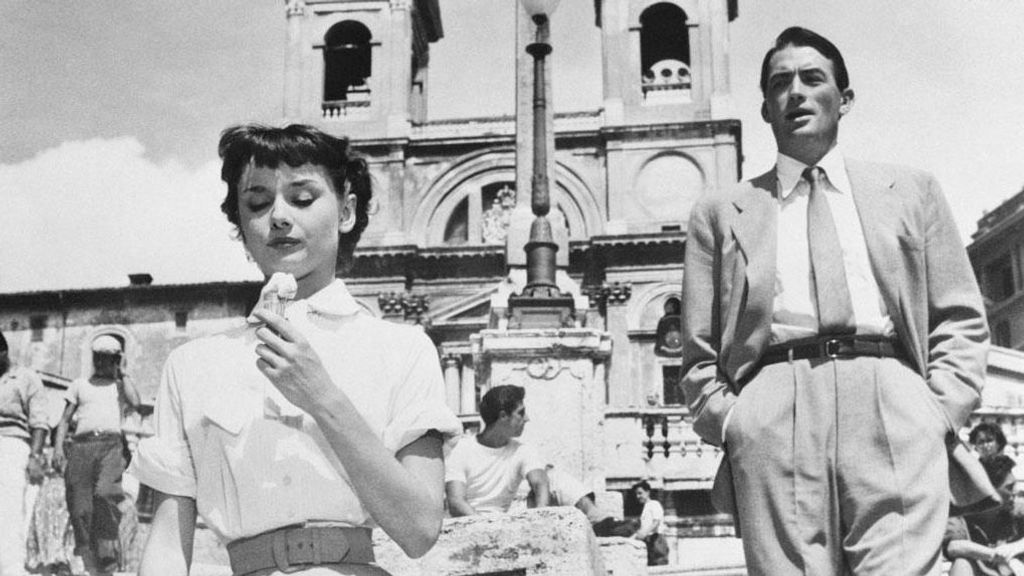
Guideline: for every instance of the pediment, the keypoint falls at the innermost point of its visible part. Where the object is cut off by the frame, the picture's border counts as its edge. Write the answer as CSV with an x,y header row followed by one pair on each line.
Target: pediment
x,y
472,309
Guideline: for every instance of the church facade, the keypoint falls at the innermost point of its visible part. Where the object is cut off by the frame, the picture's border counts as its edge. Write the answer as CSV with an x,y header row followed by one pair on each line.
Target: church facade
x,y
444,248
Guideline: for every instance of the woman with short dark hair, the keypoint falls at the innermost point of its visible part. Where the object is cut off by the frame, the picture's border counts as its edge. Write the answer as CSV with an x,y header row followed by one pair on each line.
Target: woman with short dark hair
x,y
987,438
295,435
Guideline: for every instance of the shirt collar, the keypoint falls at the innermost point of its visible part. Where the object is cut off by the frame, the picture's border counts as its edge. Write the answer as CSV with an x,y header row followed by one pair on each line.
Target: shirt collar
x,y
334,300
331,300
789,172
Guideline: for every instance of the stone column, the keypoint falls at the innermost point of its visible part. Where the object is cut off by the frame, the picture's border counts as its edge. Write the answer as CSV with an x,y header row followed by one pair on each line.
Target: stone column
x,y
468,403
614,297
396,86
451,366
295,12
564,374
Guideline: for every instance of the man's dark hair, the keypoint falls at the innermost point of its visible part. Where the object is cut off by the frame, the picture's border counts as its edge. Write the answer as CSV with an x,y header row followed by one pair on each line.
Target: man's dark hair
x,y
641,484
998,467
3,343
295,145
992,429
797,36
500,399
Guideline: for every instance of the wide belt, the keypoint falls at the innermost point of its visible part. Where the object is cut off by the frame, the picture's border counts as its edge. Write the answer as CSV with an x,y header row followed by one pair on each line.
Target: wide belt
x,y
296,546
833,347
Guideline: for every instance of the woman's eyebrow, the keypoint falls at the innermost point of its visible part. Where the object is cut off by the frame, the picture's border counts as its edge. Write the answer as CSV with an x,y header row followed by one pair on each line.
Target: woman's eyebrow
x,y
254,188
300,182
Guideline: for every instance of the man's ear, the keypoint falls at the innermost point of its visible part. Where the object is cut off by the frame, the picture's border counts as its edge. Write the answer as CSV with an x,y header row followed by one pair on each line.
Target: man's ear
x,y
764,112
347,216
845,101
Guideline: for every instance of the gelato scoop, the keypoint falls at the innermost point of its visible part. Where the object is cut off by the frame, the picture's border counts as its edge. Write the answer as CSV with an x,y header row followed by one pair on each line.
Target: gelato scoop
x,y
277,293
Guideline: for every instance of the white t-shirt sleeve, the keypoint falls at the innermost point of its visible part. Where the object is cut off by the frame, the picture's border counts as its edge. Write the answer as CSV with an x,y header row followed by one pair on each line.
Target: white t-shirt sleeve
x,y
529,460
455,463
651,518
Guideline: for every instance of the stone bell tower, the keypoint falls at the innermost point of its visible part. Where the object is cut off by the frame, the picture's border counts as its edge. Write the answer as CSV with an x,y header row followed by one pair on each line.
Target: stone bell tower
x,y
360,64
665,60
667,113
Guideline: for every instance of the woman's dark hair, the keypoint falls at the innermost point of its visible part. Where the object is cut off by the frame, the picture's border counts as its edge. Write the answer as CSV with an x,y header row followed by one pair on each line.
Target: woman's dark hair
x,y
295,145
641,484
998,467
500,399
990,428
5,362
797,36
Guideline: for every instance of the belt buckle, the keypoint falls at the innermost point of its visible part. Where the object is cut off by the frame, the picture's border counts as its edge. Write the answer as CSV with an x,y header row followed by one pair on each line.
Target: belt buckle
x,y
831,347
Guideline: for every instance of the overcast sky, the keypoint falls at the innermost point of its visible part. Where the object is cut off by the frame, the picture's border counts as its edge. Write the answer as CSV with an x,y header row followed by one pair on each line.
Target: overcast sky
x,y
110,112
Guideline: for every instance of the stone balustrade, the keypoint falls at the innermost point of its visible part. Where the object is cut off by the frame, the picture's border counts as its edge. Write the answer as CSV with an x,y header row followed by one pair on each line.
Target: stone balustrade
x,y
658,444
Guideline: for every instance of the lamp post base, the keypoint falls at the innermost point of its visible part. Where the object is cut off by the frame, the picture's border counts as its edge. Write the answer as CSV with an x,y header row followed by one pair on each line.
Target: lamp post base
x,y
541,307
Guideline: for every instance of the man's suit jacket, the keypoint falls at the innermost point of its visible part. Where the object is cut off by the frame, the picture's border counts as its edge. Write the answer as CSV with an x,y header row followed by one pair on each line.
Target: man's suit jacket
x,y
918,261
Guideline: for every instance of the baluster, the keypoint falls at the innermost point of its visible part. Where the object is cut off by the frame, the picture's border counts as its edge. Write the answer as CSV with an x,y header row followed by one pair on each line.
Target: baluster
x,y
664,435
649,442
1013,433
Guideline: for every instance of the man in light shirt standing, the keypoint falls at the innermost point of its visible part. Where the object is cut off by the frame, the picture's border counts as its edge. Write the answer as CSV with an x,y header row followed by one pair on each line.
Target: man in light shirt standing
x,y
482,474
23,431
95,460
834,340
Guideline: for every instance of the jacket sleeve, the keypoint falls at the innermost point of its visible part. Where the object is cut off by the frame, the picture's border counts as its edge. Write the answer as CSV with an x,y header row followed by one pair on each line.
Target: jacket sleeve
x,y
705,386
958,336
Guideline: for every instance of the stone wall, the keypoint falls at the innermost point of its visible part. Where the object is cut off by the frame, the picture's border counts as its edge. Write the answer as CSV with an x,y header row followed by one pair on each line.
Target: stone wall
x,y
538,542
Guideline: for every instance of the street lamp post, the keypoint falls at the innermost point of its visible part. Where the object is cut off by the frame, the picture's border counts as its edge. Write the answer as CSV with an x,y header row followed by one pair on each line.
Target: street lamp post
x,y
541,304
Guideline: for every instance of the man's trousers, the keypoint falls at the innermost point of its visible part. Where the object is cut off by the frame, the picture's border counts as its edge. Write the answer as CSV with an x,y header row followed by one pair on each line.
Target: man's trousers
x,y
15,504
839,468
93,479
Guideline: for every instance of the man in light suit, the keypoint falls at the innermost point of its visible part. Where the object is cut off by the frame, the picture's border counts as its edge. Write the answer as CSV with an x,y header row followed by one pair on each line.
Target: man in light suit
x,y
834,340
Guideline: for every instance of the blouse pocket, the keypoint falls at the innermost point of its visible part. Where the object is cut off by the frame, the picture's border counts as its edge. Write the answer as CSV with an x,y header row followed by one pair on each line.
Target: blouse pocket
x,y
228,416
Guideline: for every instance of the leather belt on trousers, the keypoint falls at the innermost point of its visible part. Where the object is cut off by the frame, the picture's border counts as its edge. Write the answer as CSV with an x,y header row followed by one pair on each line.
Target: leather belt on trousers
x,y
289,547
96,435
834,347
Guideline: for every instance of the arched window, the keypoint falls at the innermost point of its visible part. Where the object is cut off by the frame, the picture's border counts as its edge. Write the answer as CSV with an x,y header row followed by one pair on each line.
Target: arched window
x,y
668,336
347,62
456,232
483,215
664,50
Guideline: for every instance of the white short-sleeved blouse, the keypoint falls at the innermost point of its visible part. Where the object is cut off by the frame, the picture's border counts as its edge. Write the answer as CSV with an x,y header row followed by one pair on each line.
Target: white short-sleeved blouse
x,y
253,461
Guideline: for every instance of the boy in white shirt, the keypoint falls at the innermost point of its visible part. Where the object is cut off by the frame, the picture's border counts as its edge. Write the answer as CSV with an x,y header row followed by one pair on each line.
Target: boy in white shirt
x,y
482,474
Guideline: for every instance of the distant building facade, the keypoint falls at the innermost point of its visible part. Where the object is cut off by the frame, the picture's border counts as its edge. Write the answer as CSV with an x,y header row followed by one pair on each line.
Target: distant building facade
x,y
997,255
443,250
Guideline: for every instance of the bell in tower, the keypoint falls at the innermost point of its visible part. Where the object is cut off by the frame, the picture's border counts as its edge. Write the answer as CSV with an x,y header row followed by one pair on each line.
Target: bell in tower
x,y
347,62
664,60
358,67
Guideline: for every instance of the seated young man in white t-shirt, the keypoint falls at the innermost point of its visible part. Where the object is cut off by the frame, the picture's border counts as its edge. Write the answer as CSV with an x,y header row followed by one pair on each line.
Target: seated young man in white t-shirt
x,y
482,474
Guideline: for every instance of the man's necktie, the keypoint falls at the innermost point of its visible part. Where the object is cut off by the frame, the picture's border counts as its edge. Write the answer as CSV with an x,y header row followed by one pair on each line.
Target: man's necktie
x,y
835,309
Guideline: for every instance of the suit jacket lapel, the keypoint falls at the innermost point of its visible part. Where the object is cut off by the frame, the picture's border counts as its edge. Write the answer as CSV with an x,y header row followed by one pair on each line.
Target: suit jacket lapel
x,y
755,232
881,213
